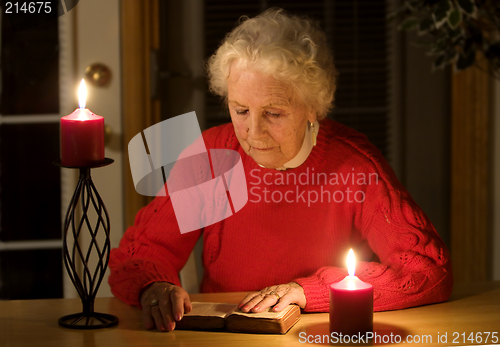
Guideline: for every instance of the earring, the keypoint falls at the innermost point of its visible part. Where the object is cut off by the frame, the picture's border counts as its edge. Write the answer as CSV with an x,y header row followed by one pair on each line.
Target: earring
x,y
314,134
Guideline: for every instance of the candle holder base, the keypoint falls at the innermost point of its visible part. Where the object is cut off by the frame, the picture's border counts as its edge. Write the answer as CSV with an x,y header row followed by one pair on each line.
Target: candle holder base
x,y
91,320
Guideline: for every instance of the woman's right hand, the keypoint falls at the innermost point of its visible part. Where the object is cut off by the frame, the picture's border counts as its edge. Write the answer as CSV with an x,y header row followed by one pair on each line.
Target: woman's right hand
x,y
163,304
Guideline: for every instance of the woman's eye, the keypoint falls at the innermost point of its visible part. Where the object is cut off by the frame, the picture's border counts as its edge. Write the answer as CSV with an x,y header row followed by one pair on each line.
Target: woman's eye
x,y
272,114
241,111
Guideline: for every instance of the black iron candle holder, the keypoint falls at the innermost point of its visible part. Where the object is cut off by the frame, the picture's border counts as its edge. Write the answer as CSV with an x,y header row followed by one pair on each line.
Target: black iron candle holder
x,y
87,281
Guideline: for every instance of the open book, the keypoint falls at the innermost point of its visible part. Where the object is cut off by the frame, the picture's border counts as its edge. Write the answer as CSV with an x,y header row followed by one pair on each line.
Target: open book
x,y
217,316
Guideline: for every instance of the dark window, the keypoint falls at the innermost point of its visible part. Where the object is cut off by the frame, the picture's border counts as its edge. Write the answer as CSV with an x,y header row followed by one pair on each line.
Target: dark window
x,y
31,274
30,70
30,193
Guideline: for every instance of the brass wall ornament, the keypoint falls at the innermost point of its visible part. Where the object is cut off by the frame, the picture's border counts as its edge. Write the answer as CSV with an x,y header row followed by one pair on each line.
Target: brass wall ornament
x,y
99,75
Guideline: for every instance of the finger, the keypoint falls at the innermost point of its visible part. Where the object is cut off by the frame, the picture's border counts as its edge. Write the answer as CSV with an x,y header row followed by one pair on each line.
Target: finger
x,y
177,302
268,301
167,317
283,302
157,318
187,306
247,299
250,304
147,318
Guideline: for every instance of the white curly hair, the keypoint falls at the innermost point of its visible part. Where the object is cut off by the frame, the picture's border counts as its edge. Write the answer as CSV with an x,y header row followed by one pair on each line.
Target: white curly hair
x,y
290,48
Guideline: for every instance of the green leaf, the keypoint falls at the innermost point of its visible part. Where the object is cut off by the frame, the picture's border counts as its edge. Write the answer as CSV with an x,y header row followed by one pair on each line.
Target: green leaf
x,y
444,59
467,6
441,12
442,46
454,18
443,43
454,34
409,24
425,26
440,62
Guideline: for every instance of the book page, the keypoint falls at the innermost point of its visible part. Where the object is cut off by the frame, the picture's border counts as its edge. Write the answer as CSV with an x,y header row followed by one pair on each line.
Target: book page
x,y
210,309
270,314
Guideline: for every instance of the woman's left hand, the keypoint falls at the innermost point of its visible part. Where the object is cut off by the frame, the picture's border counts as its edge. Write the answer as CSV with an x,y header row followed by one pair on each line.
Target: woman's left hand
x,y
278,297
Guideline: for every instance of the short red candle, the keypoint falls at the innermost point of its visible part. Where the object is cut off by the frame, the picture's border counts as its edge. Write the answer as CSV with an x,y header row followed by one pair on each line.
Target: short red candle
x,y
351,305
82,136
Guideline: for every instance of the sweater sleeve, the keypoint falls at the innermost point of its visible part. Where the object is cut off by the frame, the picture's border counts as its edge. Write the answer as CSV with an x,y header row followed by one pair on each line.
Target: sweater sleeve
x,y
152,250
412,266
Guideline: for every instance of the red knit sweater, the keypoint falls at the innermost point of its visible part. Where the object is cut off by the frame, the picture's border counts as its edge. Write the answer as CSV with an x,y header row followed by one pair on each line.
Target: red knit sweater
x,y
298,225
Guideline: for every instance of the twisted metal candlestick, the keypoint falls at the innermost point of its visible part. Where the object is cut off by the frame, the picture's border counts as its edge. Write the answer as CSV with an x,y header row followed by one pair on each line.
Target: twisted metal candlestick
x,y
87,281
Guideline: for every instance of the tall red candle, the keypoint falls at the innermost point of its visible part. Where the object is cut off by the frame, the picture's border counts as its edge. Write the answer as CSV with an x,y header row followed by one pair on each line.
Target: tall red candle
x,y
351,304
82,136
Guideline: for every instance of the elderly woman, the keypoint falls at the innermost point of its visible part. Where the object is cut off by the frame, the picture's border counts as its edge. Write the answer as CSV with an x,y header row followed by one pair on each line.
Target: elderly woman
x,y
316,188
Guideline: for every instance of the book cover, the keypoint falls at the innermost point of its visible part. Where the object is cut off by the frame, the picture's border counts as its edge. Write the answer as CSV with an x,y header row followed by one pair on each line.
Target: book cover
x,y
220,316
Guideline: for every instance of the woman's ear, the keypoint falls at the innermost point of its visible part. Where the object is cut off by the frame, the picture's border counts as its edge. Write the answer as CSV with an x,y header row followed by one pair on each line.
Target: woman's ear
x,y
312,117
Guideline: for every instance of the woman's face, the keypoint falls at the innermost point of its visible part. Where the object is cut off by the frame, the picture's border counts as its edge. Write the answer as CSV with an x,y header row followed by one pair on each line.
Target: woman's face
x,y
268,121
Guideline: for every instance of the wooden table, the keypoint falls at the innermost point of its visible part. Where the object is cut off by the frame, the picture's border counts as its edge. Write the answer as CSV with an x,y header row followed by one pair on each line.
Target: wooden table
x,y
472,309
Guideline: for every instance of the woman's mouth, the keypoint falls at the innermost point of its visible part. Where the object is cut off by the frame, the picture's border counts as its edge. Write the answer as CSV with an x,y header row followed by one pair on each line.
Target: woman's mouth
x,y
264,149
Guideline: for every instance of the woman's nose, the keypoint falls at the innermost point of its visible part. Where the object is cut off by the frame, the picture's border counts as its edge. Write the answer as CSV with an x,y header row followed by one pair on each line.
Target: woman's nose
x,y
256,126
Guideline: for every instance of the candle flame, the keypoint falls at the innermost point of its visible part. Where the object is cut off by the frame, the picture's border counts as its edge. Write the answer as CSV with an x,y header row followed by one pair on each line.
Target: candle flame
x,y
351,285
351,263
82,94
